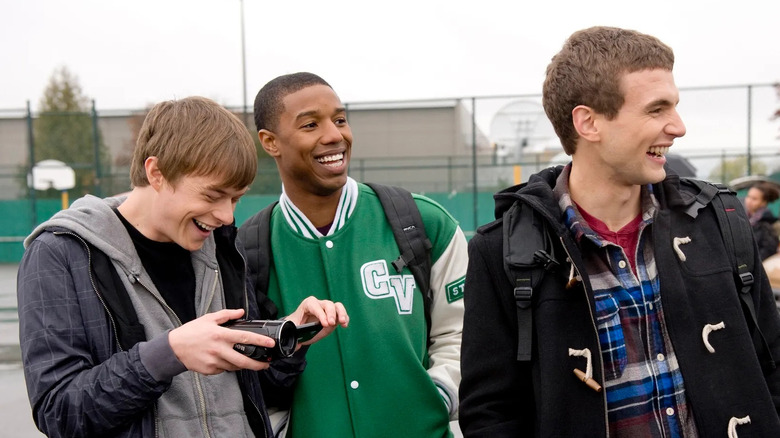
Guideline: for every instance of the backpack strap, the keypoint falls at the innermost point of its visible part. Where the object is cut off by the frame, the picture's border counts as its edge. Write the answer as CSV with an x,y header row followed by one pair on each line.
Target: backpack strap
x,y
255,235
405,220
528,255
734,227
738,239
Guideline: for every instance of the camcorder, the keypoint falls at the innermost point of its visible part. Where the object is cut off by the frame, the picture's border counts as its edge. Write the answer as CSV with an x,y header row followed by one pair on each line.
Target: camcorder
x,y
285,333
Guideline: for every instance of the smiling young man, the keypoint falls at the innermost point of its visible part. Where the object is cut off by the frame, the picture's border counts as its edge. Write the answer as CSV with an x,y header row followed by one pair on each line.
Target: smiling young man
x,y
122,300
636,329
329,237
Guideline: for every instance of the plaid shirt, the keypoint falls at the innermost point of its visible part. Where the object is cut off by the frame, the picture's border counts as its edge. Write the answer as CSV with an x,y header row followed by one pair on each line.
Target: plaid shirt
x,y
643,383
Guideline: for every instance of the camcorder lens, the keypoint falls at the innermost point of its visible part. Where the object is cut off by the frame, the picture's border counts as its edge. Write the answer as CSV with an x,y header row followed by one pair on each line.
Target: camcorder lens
x,y
281,331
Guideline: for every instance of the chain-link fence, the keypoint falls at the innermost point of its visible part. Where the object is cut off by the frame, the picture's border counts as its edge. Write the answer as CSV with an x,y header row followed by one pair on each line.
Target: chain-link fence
x,y
502,140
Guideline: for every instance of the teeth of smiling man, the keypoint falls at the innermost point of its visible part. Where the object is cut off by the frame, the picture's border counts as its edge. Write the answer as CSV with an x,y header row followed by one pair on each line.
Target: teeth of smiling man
x,y
330,158
658,151
204,226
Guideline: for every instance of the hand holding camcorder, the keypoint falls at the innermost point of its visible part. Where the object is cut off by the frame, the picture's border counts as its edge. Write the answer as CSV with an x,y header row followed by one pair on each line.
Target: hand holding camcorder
x,y
285,333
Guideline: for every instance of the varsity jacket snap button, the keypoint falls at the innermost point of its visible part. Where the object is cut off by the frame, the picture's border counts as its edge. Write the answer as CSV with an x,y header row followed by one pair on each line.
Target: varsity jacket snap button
x,y
354,384
669,411
622,264
329,244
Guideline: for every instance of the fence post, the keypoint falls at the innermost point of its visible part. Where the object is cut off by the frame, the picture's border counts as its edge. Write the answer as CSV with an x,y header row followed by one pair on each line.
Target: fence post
x,y
31,151
749,118
474,159
96,144
449,174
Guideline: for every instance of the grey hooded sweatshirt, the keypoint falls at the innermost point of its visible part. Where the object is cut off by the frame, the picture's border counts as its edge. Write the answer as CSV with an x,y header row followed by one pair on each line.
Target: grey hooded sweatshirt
x,y
79,384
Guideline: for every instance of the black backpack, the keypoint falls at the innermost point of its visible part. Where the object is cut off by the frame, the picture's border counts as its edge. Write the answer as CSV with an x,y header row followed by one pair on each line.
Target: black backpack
x,y
408,229
528,257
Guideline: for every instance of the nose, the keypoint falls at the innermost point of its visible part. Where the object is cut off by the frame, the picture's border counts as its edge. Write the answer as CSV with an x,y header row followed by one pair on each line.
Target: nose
x,y
675,127
332,133
223,211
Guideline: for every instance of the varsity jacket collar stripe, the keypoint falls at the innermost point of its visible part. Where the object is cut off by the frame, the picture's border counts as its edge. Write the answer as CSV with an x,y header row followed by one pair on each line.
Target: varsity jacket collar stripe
x,y
300,224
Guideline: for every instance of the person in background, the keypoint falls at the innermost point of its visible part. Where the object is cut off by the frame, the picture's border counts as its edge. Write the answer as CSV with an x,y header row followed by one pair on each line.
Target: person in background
x,y
329,237
633,319
757,201
122,300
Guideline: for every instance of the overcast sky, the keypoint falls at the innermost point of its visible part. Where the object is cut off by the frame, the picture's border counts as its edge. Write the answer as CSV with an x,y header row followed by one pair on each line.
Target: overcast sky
x,y
131,54
128,54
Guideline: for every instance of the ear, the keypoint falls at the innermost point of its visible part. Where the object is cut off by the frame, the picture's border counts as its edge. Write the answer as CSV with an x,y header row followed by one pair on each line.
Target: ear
x,y
585,122
153,173
268,141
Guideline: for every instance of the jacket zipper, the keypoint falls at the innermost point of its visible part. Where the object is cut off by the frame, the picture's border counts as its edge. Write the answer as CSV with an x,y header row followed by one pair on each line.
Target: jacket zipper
x,y
596,330
210,298
204,419
198,383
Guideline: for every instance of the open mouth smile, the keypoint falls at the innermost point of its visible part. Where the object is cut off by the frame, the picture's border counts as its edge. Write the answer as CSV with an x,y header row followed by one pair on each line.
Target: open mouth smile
x,y
203,227
334,160
658,151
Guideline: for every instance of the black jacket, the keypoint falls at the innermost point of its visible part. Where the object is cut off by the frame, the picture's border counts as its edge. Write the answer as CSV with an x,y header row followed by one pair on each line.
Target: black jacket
x,y
501,397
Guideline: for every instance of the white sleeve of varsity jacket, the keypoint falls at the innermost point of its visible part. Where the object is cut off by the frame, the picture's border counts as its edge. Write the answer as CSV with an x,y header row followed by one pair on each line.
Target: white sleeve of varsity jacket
x,y
448,275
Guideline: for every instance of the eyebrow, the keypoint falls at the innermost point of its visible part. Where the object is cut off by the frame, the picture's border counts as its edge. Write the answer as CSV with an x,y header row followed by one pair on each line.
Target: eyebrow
x,y
303,114
660,102
217,189
223,191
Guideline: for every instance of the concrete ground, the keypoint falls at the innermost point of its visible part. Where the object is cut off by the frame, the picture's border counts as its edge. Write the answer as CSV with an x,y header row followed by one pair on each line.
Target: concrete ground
x,y
15,412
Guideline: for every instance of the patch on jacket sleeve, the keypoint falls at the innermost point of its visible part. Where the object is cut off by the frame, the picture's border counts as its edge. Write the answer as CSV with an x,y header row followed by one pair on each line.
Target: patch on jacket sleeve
x,y
455,290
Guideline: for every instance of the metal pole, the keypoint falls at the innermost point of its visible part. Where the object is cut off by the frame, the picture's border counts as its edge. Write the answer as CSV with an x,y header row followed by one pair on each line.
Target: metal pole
x,y
96,145
449,174
31,151
243,65
749,123
474,157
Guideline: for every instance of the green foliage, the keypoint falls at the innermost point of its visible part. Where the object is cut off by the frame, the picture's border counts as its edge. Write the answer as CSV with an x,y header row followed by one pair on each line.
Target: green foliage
x,y
735,168
65,131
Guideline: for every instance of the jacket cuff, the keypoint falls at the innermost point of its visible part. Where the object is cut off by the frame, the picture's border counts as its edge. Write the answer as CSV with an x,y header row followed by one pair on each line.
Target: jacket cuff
x,y
450,400
158,358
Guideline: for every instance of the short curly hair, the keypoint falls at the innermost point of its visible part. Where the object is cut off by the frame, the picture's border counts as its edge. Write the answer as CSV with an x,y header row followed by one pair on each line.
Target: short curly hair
x,y
588,69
